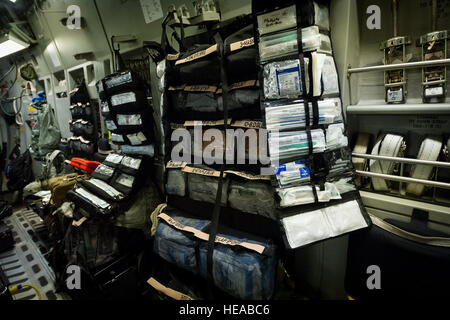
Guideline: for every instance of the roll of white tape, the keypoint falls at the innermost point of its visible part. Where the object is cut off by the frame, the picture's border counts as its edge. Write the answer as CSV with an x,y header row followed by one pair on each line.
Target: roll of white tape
x,y
429,150
388,145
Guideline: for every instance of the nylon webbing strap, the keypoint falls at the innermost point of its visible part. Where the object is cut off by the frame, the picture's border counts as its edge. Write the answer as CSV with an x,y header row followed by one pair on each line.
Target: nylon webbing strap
x,y
429,151
216,210
387,145
306,100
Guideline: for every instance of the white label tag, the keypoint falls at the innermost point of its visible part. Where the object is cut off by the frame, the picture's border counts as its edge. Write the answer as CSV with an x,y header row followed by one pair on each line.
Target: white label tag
x,y
137,138
395,95
434,91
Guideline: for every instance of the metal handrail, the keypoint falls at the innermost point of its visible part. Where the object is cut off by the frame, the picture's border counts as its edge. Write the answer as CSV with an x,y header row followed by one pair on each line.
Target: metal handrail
x,y
403,160
407,65
404,179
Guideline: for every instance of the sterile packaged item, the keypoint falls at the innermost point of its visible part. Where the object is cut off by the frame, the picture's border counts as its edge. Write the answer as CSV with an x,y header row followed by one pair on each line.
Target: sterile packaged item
x,y
125,183
277,20
131,165
282,79
321,16
253,197
103,189
285,43
129,119
105,108
113,160
335,136
292,174
303,195
291,115
345,185
93,199
325,45
103,172
287,145
325,76
117,138
147,150
317,225
137,139
111,125
339,162
123,98
330,78
118,80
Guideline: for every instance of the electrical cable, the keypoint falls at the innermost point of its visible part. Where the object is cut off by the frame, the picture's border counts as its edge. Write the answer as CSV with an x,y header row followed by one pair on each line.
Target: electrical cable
x,y
8,72
15,289
104,31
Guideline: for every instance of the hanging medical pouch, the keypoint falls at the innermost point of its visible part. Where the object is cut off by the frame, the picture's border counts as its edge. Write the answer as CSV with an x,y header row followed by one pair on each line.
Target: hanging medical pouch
x,y
91,203
241,56
198,66
130,101
104,173
81,111
177,245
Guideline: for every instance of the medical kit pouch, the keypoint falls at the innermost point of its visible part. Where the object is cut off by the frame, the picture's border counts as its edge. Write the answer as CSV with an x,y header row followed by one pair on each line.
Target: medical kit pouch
x,y
176,179
241,56
104,173
132,165
103,190
243,265
177,246
129,101
133,122
81,111
242,95
79,145
255,197
140,138
126,183
203,184
145,150
90,202
200,98
82,128
121,81
113,160
199,65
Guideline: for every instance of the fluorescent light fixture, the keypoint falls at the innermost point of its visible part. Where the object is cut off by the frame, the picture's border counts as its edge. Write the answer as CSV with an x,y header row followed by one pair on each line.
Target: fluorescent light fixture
x,y
13,1
10,44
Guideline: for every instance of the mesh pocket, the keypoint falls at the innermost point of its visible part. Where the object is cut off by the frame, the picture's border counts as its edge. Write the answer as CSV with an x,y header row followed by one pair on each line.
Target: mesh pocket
x,y
252,197
204,188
